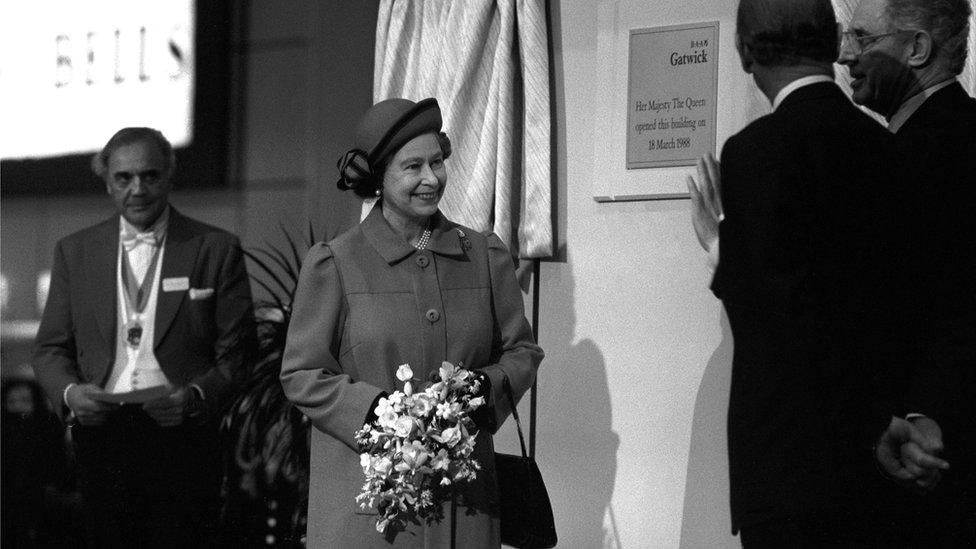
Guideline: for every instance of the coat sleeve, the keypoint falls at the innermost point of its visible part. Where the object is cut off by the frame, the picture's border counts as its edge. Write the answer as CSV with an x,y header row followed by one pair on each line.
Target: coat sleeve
x,y
234,322
514,354
54,358
311,375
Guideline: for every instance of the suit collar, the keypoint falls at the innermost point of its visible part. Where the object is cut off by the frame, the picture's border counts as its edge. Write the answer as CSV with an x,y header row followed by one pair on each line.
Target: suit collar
x,y
947,97
797,84
445,237
811,92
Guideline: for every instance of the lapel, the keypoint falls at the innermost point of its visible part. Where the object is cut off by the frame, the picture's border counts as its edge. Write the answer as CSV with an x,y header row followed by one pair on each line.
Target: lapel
x,y
179,258
101,266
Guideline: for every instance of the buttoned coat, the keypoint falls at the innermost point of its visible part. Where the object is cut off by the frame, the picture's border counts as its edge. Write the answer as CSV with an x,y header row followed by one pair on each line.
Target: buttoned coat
x,y
368,302
200,341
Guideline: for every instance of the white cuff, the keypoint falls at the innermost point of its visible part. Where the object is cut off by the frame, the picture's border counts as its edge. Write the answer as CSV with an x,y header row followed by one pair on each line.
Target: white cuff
x,y
64,395
199,390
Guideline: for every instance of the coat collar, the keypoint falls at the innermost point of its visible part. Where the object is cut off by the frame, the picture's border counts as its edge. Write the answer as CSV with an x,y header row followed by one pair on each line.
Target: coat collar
x,y
814,91
446,238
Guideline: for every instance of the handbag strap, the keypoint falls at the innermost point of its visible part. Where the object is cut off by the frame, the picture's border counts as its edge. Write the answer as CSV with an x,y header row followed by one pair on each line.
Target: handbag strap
x,y
507,388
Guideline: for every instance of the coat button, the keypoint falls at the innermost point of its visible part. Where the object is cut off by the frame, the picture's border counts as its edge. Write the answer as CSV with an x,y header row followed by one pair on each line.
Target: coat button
x,y
422,261
433,315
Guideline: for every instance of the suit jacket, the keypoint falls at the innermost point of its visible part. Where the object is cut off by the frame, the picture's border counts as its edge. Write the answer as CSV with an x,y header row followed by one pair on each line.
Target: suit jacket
x,y
802,285
367,302
938,144
199,341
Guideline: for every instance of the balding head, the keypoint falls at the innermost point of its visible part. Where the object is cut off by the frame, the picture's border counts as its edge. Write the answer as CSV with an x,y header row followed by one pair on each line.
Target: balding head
x,y
788,32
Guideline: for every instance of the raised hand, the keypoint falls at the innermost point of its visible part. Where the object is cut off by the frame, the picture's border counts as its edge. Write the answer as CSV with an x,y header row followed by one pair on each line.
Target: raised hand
x,y
706,201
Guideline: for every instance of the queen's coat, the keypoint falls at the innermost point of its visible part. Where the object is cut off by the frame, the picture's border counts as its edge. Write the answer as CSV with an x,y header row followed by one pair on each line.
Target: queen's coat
x,y
367,302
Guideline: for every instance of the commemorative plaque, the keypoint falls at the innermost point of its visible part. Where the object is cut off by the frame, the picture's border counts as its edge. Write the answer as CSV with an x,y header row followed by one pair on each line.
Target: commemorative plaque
x,y
672,93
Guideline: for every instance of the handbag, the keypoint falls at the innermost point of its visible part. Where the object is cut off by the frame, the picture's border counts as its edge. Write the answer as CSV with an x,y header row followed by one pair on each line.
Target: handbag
x,y
526,513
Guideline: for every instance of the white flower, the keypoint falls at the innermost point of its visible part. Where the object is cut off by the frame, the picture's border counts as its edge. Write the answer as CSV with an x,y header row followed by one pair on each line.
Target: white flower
x,y
364,462
422,406
403,426
382,406
446,370
387,420
382,466
476,402
444,411
404,372
441,461
415,455
450,436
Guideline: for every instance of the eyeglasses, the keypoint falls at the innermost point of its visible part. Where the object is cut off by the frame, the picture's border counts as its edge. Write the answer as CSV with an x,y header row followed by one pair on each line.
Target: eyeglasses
x,y
860,42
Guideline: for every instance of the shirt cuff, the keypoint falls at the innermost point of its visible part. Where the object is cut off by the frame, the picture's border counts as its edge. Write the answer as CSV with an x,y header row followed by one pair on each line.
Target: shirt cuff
x,y
199,391
64,395
914,415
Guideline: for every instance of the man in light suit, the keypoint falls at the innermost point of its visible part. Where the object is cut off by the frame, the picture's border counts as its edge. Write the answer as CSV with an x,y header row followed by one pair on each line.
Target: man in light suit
x,y
798,278
142,343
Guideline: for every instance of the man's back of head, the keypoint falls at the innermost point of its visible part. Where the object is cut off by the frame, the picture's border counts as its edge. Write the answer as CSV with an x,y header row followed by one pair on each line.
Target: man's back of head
x,y
788,32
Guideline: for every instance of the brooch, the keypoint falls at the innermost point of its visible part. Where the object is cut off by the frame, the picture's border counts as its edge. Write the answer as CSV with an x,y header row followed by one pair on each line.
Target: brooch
x,y
465,241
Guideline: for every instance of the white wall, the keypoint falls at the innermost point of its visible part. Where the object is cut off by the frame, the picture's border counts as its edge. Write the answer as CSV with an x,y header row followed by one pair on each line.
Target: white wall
x,y
634,388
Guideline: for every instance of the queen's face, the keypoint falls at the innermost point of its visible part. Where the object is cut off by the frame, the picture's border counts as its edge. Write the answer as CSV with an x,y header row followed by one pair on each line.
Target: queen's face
x,y
414,181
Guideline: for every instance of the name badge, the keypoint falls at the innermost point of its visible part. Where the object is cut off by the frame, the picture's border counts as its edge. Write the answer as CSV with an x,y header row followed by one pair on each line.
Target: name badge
x,y
178,284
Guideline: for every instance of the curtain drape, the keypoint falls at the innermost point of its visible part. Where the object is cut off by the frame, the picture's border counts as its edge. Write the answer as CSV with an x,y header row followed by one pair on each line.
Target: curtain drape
x,y
487,63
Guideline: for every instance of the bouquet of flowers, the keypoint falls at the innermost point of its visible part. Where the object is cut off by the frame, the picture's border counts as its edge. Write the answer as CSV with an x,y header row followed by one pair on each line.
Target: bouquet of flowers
x,y
420,445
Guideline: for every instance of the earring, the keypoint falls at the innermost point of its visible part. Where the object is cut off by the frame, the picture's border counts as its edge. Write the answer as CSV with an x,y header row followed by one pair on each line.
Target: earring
x,y
378,192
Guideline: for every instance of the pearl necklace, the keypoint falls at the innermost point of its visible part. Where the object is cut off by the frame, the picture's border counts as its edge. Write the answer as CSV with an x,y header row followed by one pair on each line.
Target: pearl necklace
x,y
424,239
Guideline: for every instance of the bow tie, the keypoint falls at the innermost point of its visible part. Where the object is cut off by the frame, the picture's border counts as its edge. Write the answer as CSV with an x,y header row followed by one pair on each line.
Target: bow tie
x,y
131,240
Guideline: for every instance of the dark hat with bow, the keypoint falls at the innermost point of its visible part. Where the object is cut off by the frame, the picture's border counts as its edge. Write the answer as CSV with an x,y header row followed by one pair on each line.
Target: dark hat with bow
x,y
386,126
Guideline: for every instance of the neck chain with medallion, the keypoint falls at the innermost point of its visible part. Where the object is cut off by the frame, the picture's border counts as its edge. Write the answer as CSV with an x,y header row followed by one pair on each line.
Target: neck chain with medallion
x,y
137,296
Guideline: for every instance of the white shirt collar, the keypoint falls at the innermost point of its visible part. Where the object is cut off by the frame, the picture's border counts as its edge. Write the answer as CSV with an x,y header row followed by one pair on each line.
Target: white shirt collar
x,y
908,108
158,228
797,84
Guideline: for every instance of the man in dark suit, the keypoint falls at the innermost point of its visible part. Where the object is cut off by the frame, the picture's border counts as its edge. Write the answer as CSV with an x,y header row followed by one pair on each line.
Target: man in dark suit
x,y
798,275
904,57
142,341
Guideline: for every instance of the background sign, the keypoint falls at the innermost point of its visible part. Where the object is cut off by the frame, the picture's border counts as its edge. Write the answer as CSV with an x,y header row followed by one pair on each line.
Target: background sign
x,y
672,95
73,72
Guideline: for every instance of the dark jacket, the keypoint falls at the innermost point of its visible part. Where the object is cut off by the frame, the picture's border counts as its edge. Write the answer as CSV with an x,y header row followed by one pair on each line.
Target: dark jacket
x,y
199,341
802,282
938,146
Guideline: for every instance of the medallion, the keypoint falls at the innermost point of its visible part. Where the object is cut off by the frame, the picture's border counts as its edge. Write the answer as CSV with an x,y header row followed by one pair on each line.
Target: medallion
x,y
133,335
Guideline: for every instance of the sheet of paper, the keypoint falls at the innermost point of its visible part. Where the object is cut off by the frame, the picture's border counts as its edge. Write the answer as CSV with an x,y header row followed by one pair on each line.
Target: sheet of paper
x,y
135,397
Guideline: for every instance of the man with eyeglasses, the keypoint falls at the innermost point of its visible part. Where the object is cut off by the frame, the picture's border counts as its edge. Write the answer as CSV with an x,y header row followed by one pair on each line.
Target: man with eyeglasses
x,y
904,57
141,344
810,376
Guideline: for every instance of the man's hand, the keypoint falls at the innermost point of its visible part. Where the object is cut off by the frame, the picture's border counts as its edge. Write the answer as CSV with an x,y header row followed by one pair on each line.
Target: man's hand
x,y
914,454
909,456
706,201
88,410
172,409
